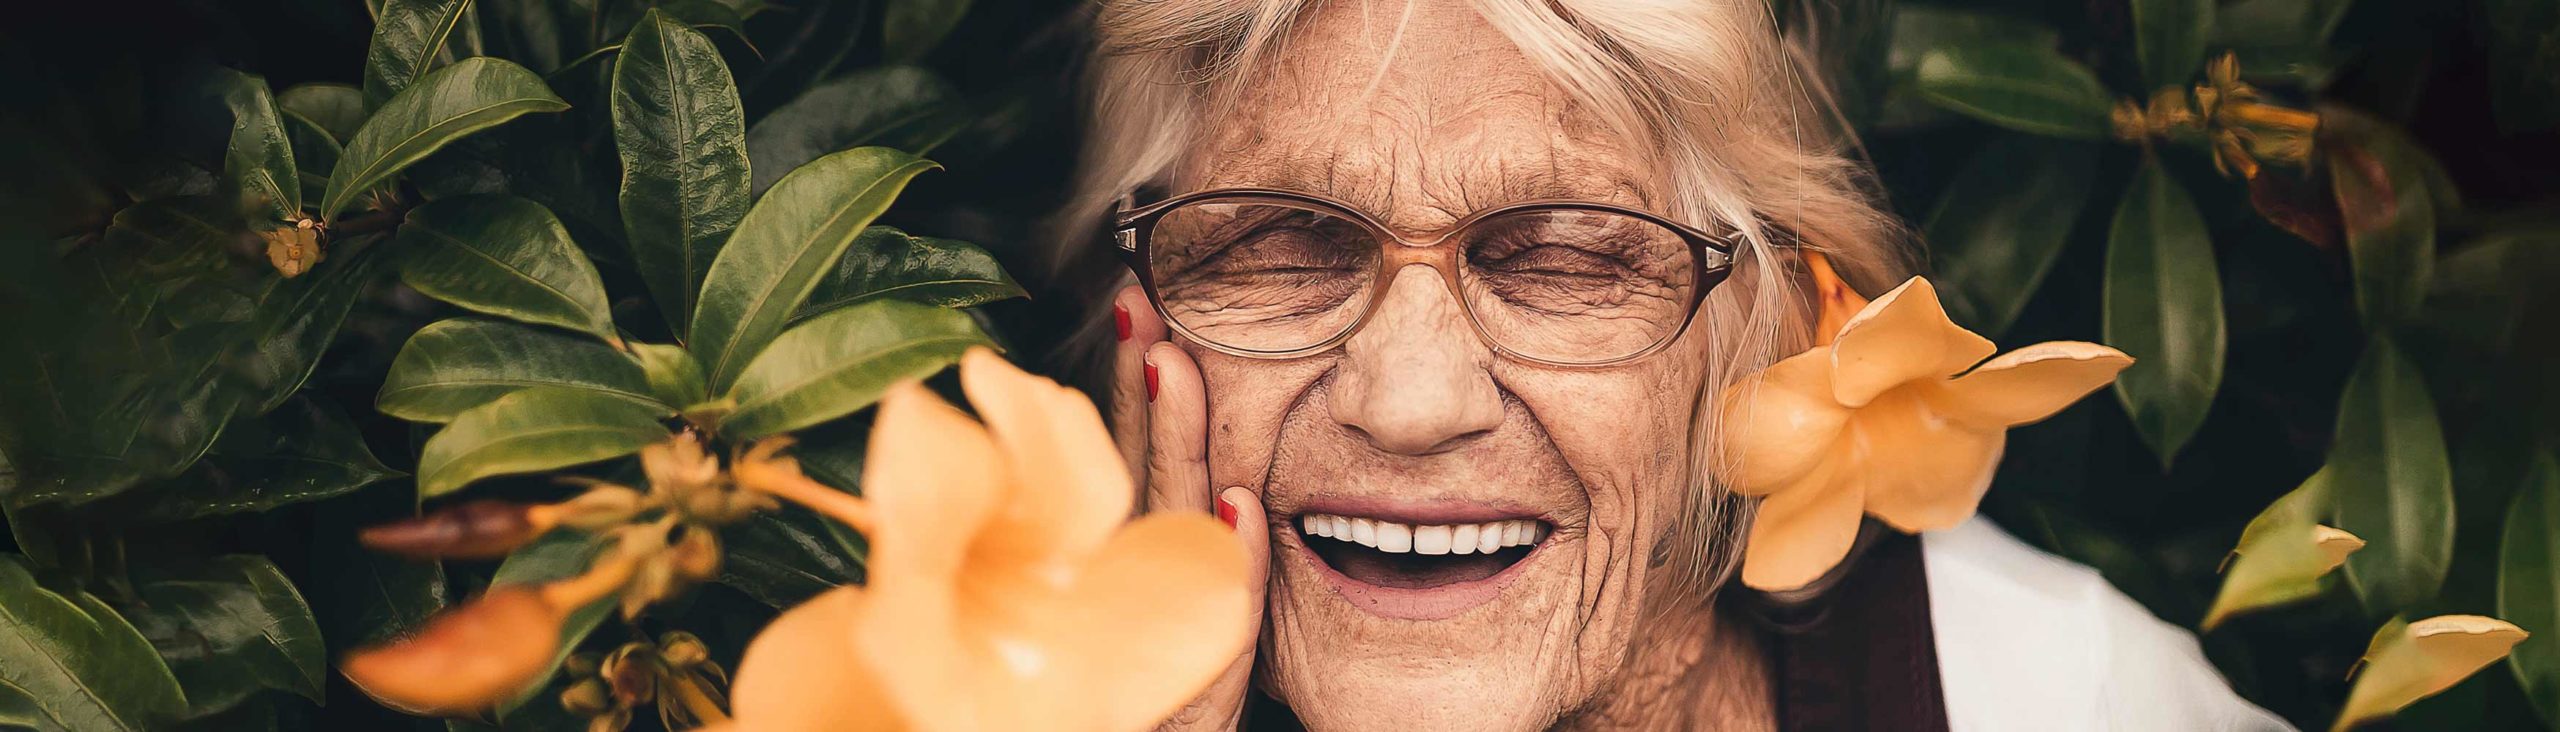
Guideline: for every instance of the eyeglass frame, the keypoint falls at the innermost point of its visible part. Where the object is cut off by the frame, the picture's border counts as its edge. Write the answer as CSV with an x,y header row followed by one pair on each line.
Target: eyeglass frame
x,y
1711,258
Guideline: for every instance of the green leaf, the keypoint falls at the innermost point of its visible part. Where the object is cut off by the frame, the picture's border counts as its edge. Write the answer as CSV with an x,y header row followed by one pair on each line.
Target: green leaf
x,y
505,256
2389,214
469,96
304,451
361,596
2002,223
682,136
230,628
2524,78
534,429
258,161
315,153
2279,566
70,662
2169,37
561,554
407,35
455,365
887,263
2392,481
2529,585
2022,87
842,361
911,28
674,377
784,247
901,107
781,558
336,108
2163,306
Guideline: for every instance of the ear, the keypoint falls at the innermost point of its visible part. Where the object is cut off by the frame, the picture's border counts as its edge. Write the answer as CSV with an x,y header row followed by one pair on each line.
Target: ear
x,y
1838,301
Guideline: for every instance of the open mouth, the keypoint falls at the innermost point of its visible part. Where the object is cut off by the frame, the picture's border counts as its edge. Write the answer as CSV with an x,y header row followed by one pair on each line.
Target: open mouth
x,y
1402,556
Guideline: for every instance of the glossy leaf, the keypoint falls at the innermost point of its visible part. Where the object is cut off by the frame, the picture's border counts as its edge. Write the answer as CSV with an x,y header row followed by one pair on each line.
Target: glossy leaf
x,y
674,377
781,558
455,365
2529,584
2408,661
258,161
469,96
230,628
911,28
2390,221
531,430
2169,38
885,263
67,661
2163,306
361,596
785,246
304,451
505,256
901,107
682,136
558,555
315,153
2022,87
2002,223
2279,566
842,361
407,35
2392,481
336,108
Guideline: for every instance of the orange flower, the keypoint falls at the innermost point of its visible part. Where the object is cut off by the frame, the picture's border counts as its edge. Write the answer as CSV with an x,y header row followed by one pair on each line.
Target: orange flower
x,y
470,657
1889,417
1005,591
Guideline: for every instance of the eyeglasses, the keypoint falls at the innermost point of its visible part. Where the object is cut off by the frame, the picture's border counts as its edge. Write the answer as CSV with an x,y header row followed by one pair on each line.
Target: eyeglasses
x,y
1279,274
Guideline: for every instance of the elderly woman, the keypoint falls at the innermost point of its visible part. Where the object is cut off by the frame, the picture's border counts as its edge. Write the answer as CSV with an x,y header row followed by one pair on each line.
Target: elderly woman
x,y
1426,298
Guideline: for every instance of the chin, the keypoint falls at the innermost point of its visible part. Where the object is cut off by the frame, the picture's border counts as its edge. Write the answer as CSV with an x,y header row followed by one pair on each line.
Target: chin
x,y
1373,632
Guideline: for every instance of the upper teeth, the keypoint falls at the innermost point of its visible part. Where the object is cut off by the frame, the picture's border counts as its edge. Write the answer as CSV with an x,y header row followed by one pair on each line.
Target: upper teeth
x,y
1395,538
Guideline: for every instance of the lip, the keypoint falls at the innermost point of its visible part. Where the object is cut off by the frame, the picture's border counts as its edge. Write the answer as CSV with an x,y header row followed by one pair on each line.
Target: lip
x,y
1436,603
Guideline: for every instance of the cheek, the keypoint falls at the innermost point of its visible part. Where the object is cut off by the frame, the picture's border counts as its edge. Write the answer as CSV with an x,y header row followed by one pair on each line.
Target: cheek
x,y
1248,401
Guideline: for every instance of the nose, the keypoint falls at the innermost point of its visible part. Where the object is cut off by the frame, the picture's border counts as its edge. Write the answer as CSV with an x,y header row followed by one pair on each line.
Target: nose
x,y
1415,379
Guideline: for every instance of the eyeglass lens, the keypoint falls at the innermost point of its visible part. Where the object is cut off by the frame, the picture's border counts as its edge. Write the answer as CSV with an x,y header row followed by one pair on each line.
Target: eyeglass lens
x,y
1557,285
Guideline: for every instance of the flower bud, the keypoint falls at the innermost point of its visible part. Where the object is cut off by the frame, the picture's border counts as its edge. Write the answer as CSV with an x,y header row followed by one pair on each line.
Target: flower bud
x,y
464,659
587,698
634,675
682,650
580,665
679,465
613,721
602,507
483,529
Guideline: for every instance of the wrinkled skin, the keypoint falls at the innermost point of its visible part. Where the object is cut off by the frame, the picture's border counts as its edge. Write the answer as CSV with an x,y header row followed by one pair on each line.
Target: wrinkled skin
x,y
1417,409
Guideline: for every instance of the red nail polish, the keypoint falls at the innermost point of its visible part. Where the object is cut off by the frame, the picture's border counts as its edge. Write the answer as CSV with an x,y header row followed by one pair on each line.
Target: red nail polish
x,y
1227,513
1151,382
1120,320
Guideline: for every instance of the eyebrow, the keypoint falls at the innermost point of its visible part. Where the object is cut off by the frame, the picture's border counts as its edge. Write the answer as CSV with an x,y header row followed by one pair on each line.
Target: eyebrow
x,y
1324,175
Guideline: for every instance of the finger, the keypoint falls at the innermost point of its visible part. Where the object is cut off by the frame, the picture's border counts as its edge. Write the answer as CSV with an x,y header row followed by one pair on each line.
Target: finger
x,y
1177,433
1222,706
1134,326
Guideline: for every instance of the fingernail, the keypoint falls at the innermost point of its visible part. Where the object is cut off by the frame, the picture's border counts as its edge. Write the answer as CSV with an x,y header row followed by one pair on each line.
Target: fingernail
x,y
1151,381
1120,320
1227,512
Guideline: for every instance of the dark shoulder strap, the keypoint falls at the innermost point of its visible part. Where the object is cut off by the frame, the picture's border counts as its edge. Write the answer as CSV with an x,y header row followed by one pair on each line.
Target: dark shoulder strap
x,y
1862,656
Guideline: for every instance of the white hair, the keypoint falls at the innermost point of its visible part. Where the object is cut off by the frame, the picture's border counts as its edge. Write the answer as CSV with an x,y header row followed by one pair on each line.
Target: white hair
x,y
1709,87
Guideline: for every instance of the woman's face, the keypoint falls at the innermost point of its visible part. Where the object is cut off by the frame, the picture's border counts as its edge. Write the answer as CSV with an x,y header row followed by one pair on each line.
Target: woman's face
x,y
1415,421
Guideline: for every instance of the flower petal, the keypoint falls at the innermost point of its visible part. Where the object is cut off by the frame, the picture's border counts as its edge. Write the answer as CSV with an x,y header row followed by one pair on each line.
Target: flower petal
x,y
1778,423
1160,612
1802,531
1074,490
800,673
465,659
1901,337
2031,383
933,479
2411,661
1923,472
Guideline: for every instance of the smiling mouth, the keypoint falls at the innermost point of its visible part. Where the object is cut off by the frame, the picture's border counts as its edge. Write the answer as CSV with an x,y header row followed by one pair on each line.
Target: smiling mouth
x,y
1401,556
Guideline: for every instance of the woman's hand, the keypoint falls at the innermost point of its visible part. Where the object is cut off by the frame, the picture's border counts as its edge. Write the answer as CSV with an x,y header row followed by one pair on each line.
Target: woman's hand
x,y
1160,418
